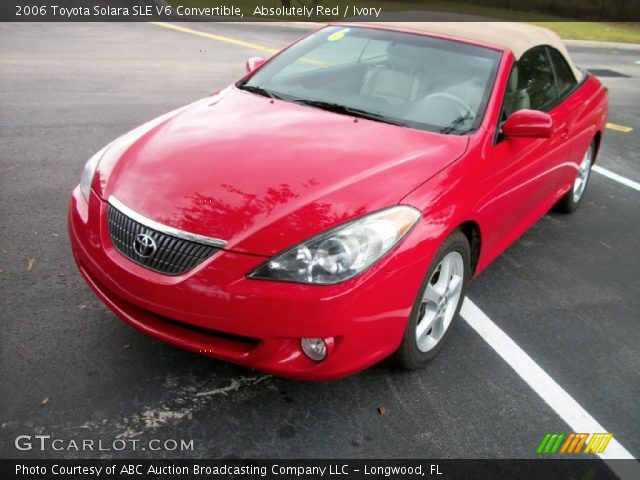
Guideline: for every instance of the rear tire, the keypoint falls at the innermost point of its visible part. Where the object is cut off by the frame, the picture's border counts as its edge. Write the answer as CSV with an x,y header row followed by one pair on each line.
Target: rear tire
x,y
569,203
437,304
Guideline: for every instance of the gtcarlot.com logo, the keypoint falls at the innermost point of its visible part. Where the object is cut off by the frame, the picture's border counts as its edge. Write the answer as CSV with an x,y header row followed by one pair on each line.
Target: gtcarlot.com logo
x,y
46,442
574,443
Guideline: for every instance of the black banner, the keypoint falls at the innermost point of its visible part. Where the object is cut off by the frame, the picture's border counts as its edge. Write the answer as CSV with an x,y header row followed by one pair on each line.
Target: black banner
x,y
313,469
319,10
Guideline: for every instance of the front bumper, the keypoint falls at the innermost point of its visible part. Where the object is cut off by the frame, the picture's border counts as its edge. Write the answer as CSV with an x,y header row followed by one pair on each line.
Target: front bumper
x,y
215,310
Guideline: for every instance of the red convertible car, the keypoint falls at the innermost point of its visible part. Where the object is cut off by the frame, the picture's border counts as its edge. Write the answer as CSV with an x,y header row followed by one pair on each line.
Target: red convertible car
x,y
329,209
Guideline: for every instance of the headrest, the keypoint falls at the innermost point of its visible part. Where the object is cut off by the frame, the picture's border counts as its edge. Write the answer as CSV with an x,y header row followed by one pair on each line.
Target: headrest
x,y
403,55
404,51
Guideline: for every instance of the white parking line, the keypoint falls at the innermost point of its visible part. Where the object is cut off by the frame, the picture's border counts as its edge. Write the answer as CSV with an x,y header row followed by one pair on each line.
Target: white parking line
x,y
618,178
546,387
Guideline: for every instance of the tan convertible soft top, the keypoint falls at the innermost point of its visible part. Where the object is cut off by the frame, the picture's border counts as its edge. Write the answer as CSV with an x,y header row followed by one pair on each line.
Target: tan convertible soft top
x,y
517,37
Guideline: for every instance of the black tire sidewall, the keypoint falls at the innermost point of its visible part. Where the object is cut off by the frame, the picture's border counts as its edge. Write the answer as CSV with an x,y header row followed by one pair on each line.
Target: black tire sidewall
x,y
408,355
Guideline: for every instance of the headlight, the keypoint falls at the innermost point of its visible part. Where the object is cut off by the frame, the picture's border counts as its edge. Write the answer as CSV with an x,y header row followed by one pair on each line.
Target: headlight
x,y
342,252
89,171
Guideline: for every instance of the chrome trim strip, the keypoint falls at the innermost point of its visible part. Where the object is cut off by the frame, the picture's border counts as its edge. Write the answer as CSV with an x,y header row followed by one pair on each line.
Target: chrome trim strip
x,y
147,222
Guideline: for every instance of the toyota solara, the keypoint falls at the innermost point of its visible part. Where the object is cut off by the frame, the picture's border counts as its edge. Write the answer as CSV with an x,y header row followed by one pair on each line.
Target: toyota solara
x,y
329,209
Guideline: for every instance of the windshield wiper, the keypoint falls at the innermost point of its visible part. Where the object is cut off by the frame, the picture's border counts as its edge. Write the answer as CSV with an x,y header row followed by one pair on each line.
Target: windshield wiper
x,y
354,112
258,90
457,123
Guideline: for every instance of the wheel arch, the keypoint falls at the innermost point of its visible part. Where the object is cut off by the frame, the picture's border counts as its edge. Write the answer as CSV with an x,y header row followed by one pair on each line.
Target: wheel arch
x,y
471,230
597,139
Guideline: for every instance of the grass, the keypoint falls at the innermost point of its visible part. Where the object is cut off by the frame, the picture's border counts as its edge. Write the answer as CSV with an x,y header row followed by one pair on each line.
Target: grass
x,y
601,31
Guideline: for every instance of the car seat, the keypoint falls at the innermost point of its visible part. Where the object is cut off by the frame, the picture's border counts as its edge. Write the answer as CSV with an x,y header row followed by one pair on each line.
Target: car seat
x,y
515,98
396,81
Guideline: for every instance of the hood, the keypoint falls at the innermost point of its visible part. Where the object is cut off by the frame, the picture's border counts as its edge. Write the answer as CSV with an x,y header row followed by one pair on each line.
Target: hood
x,y
263,175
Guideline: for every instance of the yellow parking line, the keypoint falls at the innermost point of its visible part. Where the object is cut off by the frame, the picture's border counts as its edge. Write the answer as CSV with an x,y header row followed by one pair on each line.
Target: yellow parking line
x,y
618,128
219,38
232,41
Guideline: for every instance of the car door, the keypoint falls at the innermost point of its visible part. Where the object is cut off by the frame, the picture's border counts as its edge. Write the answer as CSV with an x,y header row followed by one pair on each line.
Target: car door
x,y
527,172
567,108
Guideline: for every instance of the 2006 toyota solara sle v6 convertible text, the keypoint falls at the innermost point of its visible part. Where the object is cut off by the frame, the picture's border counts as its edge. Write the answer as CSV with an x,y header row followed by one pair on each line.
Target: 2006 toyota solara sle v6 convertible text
x,y
329,209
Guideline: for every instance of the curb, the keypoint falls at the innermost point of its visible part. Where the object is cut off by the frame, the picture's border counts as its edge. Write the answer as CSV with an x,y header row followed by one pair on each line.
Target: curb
x,y
597,44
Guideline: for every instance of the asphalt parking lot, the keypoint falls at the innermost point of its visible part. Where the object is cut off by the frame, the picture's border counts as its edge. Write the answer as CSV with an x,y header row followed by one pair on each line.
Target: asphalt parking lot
x,y
567,293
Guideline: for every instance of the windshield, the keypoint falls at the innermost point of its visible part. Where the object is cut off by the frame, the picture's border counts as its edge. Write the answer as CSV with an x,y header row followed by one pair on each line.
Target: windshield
x,y
405,79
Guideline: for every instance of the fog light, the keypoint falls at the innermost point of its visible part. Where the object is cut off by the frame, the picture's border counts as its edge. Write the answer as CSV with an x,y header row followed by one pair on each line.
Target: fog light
x,y
314,348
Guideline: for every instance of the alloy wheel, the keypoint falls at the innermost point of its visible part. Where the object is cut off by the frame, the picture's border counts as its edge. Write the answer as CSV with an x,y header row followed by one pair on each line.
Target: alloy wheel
x,y
440,301
584,169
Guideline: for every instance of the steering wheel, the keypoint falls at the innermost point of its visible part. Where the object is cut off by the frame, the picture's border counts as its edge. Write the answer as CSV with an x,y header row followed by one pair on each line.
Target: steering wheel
x,y
463,107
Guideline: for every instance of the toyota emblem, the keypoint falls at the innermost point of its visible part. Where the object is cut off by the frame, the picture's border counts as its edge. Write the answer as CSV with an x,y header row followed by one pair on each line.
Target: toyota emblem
x,y
144,245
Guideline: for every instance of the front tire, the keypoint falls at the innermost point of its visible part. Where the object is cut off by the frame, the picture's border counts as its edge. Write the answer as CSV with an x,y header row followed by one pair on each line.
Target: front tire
x,y
569,203
438,303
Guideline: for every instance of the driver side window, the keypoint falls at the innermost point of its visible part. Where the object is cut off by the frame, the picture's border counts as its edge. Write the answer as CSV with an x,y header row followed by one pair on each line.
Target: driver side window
x,y
535,83
536,80
532,85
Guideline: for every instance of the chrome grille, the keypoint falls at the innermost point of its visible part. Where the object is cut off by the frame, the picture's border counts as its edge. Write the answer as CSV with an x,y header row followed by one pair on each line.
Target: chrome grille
x,y
173,255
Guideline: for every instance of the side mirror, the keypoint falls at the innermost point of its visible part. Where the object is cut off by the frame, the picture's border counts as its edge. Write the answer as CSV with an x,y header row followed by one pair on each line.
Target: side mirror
x,y
528,124
253,63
